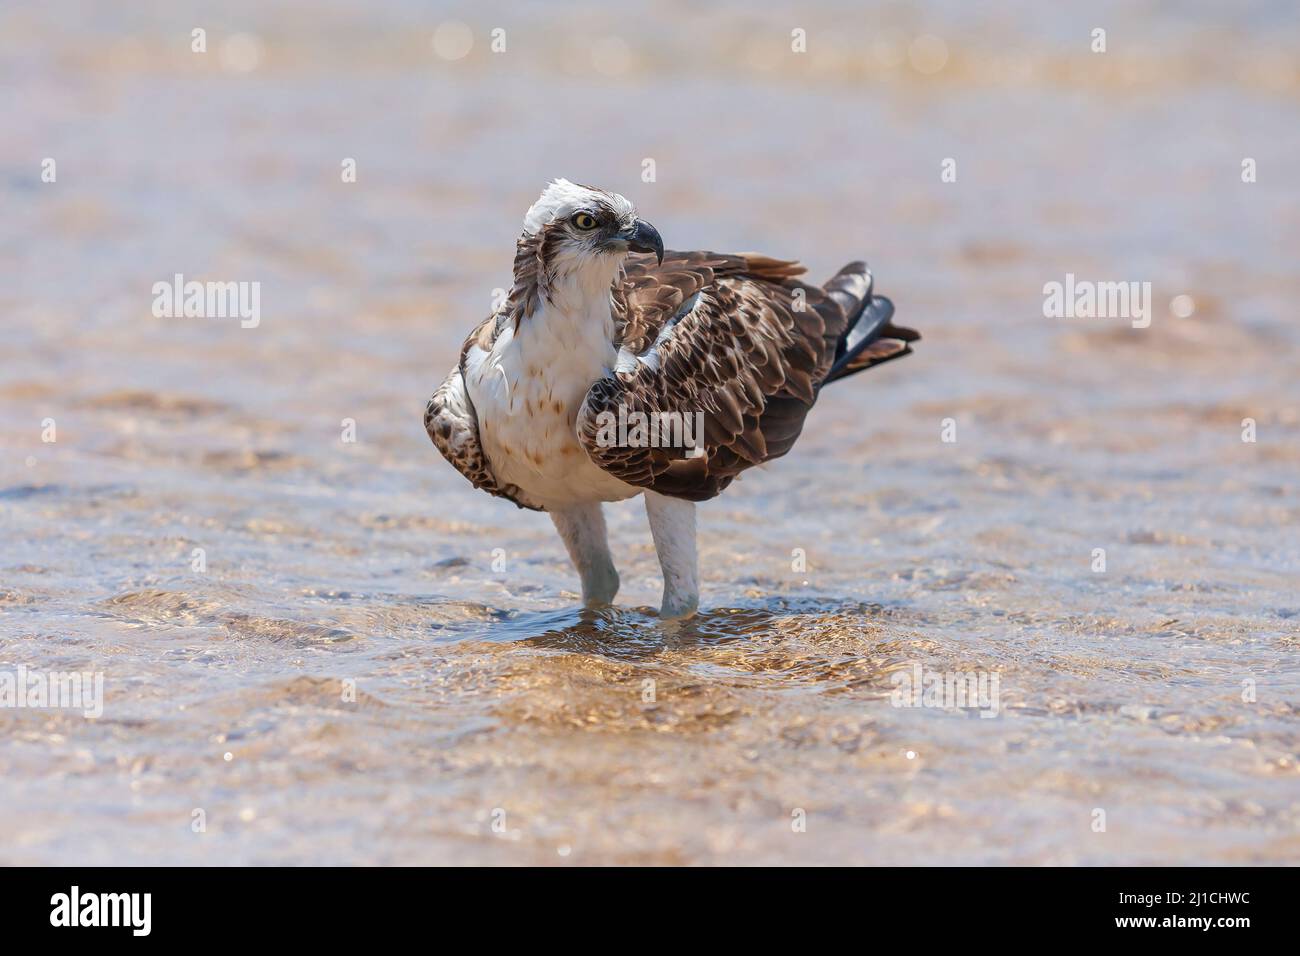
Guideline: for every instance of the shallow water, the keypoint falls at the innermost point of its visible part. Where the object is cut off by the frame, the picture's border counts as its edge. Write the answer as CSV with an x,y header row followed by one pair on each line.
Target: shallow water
x,y
492,721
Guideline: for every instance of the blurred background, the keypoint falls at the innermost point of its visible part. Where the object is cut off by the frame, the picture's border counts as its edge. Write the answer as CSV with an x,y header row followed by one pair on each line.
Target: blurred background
x,y
375,663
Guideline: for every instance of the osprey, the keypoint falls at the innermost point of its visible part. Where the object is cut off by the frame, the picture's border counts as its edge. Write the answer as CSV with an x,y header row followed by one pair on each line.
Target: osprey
x,y
603,325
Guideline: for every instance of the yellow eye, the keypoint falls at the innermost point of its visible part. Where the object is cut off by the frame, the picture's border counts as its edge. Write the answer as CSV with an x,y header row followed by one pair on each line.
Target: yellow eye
x,y
584,221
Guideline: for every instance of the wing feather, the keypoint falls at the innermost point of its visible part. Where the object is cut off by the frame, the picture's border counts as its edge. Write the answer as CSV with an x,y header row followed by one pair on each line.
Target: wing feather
x,y
750,353
452,423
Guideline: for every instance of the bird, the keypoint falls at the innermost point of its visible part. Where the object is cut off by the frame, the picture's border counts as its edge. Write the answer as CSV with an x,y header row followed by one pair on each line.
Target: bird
x,y
602,321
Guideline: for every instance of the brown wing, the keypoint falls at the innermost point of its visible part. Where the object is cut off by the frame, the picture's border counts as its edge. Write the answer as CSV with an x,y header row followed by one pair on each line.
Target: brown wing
x,y
452,423
735,337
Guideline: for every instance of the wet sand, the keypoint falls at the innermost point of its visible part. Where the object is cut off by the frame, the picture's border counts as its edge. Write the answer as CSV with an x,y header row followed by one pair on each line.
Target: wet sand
x,y
492,721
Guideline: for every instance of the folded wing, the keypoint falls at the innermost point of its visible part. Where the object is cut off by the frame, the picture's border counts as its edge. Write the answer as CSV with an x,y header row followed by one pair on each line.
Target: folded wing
x,y
736,337
452,423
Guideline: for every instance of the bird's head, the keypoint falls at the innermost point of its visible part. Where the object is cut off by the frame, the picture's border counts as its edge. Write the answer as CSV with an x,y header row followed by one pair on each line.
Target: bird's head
x,y
582,224
573,245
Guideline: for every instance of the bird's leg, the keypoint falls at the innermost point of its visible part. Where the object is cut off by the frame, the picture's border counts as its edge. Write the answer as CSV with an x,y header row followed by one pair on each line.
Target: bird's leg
x,y
582,527
672,524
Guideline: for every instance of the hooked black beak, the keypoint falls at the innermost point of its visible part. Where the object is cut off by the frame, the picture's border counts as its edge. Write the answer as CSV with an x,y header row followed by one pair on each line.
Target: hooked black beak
x,y
645,238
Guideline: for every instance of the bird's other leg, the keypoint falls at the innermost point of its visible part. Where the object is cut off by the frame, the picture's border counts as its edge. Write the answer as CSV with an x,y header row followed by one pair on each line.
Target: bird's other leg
x,y
672,524
582,528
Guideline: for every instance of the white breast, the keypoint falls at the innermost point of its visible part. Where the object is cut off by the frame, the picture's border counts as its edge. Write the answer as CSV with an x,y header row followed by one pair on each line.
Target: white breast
x,y
527,392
